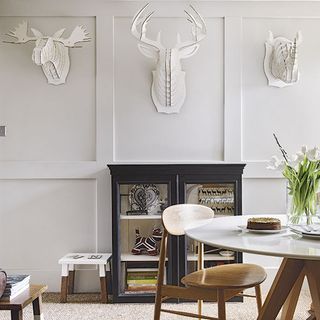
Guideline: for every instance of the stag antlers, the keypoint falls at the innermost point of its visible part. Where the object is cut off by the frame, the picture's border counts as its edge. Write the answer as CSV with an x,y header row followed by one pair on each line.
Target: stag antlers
x,y
140,21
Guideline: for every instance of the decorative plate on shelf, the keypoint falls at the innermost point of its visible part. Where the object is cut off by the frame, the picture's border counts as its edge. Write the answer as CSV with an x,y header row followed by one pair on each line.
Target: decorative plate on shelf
x,y
244,228
144,197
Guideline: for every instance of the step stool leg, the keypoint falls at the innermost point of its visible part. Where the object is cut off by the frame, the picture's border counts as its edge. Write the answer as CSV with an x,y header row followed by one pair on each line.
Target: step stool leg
x,y
37,306
71,276
64,283
103,283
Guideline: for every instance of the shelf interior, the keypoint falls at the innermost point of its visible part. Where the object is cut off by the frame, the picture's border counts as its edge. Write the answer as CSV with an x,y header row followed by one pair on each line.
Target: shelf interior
x,y
140,217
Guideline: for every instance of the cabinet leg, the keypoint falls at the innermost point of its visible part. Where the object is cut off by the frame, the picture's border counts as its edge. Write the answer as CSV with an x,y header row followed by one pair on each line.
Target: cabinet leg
x,y
37,306
104,291
64,289
16,315
71,281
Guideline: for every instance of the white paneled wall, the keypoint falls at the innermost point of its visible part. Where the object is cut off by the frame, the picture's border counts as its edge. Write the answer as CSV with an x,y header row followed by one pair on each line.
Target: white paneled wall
x,y
54,186
46,122
170,135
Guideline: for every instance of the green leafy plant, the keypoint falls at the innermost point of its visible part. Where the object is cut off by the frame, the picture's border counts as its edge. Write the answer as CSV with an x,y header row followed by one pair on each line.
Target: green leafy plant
x,y
302,171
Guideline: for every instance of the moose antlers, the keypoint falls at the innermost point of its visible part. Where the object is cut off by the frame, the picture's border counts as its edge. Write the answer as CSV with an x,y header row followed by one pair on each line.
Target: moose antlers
x,y
79,34
20,33
140,21
50,52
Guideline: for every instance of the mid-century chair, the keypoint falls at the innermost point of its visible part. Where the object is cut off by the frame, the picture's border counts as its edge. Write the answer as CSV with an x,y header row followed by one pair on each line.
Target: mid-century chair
x,y
217,284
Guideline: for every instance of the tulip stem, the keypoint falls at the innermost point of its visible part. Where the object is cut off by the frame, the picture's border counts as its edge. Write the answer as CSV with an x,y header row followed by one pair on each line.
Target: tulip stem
x,y
284,153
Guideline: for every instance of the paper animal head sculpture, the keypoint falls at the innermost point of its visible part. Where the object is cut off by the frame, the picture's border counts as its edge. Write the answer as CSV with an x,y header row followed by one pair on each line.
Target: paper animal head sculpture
x,y
168,87
50,52
281,60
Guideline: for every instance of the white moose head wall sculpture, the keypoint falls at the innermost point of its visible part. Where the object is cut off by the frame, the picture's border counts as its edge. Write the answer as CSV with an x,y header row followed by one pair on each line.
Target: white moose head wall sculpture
x,y
168,87
281,60
50,52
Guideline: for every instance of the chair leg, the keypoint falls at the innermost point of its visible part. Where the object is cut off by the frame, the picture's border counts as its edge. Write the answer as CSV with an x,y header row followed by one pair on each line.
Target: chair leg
x,y
221,305
157,306
258,297
200,304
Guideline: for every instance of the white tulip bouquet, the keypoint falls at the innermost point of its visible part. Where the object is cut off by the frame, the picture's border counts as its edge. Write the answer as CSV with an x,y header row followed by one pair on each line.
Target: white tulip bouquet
x,y
302,171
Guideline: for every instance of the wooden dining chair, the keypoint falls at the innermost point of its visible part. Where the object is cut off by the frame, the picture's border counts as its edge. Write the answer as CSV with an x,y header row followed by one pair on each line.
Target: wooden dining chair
x,y
216,284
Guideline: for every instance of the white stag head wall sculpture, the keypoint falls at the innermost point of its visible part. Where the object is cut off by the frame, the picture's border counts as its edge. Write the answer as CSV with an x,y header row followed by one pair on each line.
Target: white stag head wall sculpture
x,y
168,87
281,60
50,52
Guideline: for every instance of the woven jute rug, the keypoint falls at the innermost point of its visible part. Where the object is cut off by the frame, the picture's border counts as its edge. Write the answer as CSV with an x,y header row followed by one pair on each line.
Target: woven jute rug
x,y
87,307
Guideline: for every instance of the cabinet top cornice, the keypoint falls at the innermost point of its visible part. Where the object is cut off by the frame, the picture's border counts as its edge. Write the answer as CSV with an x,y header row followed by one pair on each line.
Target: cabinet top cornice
x,y
169,169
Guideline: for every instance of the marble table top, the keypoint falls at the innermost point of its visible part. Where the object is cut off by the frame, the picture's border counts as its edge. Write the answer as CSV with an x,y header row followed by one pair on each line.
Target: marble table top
x,y
224,232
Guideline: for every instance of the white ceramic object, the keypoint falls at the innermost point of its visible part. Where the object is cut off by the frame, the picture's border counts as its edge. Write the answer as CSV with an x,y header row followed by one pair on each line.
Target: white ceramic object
x,y
300,230
244,228
281,60
50,52
226,253
224,233
168,87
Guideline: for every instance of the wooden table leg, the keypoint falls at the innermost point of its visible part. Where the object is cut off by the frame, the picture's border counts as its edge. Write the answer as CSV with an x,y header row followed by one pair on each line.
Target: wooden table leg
x,y
284,281
64,289
16,315
311,312
37,306
71,281
313,276
290,305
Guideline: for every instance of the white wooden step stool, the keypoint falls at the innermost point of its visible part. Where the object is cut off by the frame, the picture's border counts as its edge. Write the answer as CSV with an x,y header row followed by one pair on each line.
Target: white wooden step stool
x,y
70,260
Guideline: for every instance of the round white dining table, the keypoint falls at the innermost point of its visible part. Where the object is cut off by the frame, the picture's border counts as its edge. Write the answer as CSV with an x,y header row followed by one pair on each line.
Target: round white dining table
x,y
301,257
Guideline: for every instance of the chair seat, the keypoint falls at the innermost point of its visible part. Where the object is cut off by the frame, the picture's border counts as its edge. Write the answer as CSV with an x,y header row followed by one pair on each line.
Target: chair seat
x,y
231,276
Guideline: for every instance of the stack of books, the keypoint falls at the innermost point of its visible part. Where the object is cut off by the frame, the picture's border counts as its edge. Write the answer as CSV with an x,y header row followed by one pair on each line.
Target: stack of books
x,y
16,284
142,280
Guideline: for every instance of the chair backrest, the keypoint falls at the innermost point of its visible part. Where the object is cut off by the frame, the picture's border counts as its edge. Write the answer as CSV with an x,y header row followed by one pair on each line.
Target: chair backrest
x,y
177,218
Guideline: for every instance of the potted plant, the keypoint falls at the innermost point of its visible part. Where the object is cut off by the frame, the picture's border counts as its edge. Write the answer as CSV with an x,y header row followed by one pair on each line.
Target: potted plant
x,y
302,172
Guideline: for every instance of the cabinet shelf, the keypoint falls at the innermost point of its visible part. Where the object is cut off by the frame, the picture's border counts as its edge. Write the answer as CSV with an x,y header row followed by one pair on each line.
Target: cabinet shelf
x,y
140,217
132,257
209,257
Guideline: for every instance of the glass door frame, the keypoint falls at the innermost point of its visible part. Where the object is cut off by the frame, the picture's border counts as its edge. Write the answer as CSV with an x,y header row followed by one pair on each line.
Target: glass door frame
x,y
173,263
184,179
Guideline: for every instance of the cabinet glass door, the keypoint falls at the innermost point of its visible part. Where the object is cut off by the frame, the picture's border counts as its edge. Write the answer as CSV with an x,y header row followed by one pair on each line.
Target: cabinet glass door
x,y
140,232
220,197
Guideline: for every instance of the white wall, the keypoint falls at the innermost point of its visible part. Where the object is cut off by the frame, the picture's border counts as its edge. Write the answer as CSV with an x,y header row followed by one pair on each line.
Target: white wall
x,y
54,186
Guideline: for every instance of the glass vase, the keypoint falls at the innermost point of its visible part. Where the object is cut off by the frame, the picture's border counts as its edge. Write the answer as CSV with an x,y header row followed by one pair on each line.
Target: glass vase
x,y
306,214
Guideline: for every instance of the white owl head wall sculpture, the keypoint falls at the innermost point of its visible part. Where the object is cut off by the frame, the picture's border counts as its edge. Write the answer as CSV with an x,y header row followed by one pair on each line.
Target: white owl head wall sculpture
x,y
50,52
281,60
168,87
